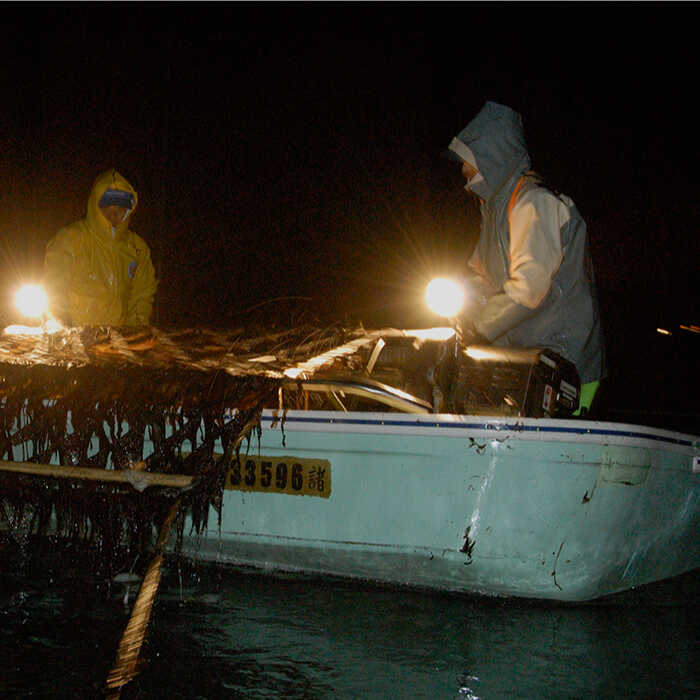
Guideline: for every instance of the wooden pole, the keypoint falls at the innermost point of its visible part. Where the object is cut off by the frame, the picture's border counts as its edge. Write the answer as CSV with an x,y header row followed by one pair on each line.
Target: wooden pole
x,y
126,663
125,666
136,477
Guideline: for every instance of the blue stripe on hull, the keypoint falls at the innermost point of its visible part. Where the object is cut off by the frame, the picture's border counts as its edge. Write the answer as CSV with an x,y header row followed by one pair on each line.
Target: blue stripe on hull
x,y
539,427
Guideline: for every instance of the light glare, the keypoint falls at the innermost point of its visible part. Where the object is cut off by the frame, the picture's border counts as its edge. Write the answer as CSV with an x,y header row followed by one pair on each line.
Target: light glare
x,y
478,353
31,301
431,333
445,297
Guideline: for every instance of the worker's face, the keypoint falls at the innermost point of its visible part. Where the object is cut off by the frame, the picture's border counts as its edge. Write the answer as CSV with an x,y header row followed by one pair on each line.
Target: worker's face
x,y
114,214
468,170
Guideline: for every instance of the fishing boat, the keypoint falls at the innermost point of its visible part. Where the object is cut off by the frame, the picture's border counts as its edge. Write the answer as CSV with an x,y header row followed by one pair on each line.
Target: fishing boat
x,y
496,504
396,457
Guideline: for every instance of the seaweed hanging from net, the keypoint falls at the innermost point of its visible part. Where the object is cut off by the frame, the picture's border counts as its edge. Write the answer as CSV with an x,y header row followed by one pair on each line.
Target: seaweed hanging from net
x,y
94,399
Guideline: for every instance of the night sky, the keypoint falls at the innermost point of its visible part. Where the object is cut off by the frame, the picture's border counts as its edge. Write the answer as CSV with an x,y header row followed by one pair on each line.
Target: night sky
x,y
287,157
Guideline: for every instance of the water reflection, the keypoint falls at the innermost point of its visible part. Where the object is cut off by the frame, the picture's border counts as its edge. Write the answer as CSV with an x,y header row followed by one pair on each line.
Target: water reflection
x,y
238,634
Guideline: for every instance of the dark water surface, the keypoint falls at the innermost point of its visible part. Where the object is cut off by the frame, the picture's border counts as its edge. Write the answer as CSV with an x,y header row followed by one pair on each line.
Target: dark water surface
x,y
219,634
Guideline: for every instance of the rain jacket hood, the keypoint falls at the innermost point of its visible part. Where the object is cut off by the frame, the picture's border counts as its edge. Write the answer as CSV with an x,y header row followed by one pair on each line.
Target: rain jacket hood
x,y
496,138
96,220
97,274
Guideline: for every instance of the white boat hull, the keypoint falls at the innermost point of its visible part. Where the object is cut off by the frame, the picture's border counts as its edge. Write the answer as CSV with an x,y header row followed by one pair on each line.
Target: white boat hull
x,y
542,508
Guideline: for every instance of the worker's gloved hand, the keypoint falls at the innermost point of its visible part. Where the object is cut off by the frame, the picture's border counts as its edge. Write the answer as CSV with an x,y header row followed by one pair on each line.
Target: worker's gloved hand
x,y
470,336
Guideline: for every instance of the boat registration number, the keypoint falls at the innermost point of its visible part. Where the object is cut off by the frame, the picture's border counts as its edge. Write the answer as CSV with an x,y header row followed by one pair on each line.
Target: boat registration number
x,y
292,475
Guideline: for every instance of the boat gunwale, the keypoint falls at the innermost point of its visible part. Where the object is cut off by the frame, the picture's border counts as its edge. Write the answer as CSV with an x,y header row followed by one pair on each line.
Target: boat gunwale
x,y
494,427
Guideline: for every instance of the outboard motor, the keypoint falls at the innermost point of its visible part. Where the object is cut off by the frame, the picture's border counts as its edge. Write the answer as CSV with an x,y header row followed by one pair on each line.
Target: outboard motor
x,y
481,380
527,382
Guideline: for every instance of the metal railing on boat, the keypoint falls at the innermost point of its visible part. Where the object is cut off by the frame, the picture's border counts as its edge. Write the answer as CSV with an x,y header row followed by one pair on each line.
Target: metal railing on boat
x,y
365,388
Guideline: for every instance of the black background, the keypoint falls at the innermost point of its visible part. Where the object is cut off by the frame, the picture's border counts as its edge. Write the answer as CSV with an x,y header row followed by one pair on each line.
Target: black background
x,y
287,156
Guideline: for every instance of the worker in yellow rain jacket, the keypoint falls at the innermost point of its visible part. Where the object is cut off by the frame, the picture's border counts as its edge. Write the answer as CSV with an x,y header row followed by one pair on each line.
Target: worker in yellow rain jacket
x,y
97,272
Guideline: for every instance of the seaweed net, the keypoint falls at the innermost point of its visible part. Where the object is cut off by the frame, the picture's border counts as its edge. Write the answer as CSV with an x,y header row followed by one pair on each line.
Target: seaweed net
x,y
93,398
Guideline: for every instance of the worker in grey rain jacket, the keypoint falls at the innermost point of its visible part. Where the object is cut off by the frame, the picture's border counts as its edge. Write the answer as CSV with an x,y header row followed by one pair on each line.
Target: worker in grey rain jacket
x,y
531,265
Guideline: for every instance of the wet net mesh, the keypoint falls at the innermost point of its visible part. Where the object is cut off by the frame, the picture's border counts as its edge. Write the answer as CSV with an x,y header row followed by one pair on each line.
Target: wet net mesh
x,y
91,398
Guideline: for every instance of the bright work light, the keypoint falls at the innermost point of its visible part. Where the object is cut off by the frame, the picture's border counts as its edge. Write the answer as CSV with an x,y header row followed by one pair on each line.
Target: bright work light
x,y
445,297
31,301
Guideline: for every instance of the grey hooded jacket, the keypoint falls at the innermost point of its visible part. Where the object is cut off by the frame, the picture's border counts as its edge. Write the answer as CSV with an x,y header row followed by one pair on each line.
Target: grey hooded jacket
x,y
568,319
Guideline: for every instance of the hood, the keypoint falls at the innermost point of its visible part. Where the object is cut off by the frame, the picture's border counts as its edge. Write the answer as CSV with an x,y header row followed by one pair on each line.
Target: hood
x,y
110,179
496,139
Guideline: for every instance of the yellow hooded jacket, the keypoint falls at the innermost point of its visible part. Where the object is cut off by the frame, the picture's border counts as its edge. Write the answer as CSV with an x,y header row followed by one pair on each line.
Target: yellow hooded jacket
x,y
97,275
